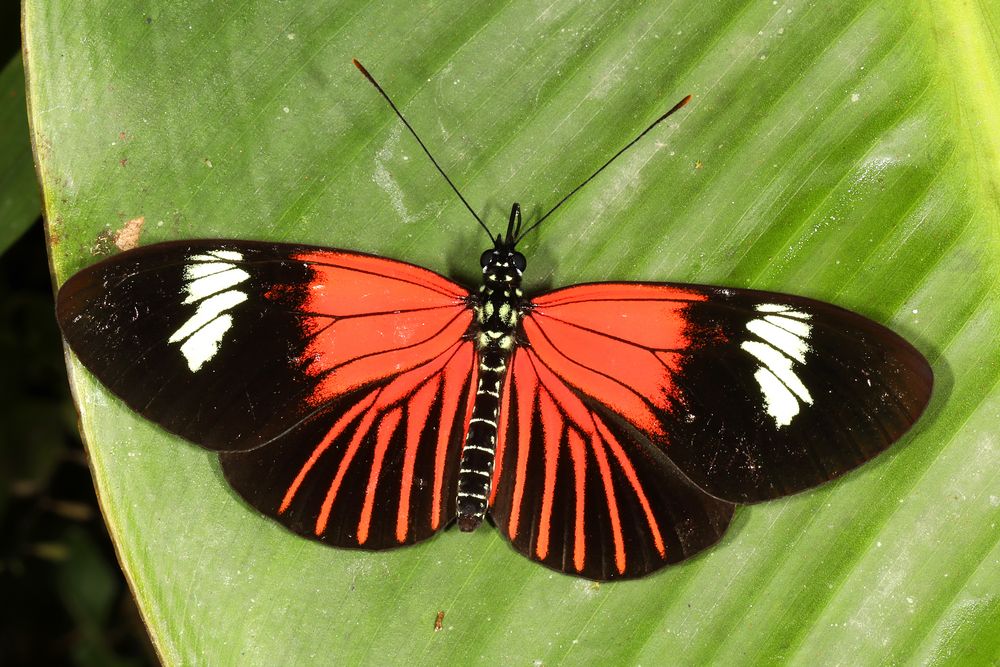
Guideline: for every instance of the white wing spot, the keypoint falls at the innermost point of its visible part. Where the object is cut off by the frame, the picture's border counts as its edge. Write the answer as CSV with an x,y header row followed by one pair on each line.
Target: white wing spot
x,y
208,283
207,311
231,255
784,340
781,404
204,343
783,336
214,283
799,328
206,268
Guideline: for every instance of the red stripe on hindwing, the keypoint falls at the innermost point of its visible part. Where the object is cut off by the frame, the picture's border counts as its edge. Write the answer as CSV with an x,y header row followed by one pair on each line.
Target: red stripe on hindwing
x,y
416,421
584,419
527,386
352,450
579,458
626,466
609,496
552,427
335,431
415,392
454,376
385,432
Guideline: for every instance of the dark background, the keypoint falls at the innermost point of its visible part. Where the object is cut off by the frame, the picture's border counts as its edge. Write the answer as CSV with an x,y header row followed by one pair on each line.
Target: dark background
x,y
63,599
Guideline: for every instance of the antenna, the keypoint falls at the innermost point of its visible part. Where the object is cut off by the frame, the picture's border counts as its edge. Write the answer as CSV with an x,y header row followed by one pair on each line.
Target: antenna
x,y
614,157
409,127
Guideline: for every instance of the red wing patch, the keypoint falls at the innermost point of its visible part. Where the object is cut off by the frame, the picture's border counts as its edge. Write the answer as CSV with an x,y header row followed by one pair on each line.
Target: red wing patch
x,y
579,490
623,342
367,318
374,284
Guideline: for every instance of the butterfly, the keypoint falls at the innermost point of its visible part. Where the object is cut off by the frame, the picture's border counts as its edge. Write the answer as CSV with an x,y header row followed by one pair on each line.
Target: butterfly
x,y
606,429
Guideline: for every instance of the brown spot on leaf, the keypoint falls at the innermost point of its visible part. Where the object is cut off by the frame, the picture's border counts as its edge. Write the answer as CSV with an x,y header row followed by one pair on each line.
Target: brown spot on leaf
x,y
127,237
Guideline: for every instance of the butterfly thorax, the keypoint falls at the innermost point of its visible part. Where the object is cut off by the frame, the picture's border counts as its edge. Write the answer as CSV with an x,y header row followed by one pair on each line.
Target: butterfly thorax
x,y
498,305
497,313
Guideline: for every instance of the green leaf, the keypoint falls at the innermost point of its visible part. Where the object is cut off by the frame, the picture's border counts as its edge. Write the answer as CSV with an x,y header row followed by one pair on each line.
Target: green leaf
x,y
846,151
20,204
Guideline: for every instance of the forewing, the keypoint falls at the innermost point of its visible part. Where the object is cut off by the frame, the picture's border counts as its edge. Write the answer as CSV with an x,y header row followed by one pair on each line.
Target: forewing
x,y
232,343
580,490
753,395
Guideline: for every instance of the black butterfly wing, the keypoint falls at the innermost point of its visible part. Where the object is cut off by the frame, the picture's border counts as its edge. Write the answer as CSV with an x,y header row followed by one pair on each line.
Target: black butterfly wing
x,y
309,367
754,395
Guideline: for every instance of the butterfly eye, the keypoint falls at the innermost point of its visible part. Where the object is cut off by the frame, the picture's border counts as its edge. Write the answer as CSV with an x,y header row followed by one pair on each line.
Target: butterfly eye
x,y
519,261
484,259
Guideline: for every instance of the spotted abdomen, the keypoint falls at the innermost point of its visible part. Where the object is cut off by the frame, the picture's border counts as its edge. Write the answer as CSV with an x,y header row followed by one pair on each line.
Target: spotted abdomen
x,y
494,332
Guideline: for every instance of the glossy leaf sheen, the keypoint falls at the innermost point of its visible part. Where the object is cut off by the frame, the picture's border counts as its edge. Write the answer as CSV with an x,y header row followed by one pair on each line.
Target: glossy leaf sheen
x,y
845,151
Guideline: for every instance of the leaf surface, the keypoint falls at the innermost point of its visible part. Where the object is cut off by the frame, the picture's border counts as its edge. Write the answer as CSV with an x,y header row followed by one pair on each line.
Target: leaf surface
x,y
845,151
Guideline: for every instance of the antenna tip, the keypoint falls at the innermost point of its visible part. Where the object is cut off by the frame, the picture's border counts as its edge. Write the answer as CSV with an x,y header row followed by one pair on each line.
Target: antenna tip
x,y
674,109
361,68
682,102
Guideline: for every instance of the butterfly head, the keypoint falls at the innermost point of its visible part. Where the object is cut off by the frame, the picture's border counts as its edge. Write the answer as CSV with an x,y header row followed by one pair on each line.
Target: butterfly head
x,y
503,264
